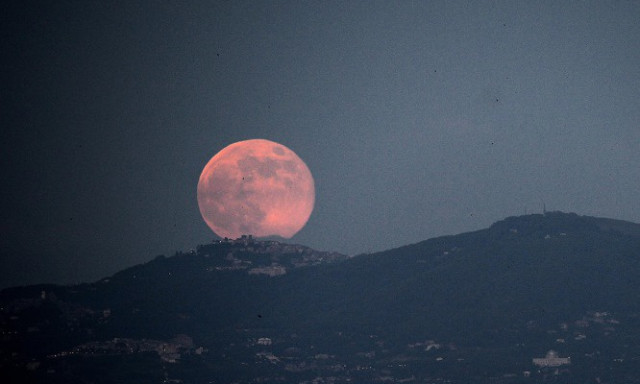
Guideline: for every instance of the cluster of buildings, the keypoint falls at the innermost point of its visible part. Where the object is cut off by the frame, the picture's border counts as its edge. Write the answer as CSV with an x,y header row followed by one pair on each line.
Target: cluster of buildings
x,y
169,351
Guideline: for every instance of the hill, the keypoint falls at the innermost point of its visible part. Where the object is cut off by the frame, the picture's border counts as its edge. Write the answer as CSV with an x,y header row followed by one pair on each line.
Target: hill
x,y
478,306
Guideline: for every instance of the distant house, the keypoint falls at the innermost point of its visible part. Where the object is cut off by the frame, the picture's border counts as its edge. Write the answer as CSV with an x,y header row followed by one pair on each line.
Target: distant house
x,y
274,270
551,360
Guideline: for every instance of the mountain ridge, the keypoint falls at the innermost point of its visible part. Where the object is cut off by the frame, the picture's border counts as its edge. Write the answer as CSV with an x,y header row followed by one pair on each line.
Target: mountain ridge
x,y
509,291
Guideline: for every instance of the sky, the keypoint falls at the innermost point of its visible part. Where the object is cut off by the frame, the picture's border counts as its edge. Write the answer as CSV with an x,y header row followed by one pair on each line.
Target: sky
x,y
417,119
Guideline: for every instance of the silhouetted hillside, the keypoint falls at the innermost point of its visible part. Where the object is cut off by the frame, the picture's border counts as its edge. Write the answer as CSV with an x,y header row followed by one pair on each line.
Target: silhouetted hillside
x,y
544,267
478,307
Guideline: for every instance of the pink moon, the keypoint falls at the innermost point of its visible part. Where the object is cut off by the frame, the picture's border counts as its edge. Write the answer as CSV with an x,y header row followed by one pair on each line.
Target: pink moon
x,y
256,187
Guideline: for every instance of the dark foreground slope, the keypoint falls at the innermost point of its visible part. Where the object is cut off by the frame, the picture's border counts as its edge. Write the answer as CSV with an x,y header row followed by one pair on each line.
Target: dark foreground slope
x,y
476,307
541,268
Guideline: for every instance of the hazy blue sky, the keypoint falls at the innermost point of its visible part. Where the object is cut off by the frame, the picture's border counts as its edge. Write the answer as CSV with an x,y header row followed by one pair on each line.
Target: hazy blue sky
x,y
416,119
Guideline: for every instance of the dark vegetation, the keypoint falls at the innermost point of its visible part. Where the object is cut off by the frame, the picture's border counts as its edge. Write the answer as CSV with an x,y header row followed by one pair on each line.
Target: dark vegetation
x,y
475,307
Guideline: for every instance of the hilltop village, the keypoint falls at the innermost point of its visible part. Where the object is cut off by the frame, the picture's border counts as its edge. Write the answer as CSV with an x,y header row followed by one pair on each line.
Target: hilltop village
x,y
281,256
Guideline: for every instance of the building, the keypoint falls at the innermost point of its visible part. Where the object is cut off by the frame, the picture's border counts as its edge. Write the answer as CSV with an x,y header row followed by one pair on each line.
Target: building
x,y
551,360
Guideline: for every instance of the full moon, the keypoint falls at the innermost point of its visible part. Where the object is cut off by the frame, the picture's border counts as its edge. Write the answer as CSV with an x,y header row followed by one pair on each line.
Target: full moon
x,y
256,187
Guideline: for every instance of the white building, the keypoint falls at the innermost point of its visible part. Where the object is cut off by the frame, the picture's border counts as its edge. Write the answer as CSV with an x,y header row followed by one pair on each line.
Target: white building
x,y
551,360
